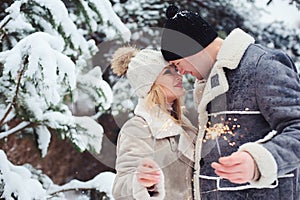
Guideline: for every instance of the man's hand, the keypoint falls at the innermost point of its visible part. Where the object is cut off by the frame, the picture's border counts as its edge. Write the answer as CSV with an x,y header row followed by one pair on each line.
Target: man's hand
x,y
148,173
239,167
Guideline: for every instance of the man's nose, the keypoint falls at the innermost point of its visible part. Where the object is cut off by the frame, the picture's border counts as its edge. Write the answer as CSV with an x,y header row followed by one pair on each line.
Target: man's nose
x,y
179,75
181,71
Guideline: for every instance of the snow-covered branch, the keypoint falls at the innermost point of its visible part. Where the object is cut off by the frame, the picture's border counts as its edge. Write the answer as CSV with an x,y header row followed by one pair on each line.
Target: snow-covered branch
x,y
27,183
15,129
102,182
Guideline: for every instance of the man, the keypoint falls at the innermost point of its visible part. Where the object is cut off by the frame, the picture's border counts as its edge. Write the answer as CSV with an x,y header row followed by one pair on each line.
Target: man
x,y
244,91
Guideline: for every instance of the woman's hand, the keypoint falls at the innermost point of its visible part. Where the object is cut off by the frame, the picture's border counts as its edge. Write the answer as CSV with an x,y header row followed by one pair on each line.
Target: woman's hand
x,y
148,173
239,167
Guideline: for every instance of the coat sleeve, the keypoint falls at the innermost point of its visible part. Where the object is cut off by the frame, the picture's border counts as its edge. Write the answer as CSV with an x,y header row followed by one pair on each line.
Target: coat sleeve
x,y
278,98
134,144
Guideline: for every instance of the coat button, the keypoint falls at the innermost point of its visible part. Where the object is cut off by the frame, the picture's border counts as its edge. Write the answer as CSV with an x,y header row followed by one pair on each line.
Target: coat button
x,y
173,144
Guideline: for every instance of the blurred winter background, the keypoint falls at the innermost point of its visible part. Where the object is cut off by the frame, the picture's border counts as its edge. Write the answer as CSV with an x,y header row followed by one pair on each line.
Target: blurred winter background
x,y
60,106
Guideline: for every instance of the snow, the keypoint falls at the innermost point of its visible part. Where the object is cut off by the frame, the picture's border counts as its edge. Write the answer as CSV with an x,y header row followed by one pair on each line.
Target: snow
x,y
93,79
44,137
37,69
46,53
124,98
60,15
59,120
277,11
109,16
91,137
21,182
55,74
44,60
10,131
77,46
110,23
102,182
4,109
18,180
51,76
18,21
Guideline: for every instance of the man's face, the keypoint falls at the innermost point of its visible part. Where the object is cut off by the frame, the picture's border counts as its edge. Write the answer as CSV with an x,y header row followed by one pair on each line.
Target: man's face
x,y
198,65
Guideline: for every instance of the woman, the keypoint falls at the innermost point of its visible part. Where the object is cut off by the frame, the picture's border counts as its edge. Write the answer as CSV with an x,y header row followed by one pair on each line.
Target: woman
x,y
155,149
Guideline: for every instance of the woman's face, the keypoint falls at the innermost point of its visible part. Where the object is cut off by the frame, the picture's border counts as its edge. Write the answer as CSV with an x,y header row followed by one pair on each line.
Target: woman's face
x,y
171,82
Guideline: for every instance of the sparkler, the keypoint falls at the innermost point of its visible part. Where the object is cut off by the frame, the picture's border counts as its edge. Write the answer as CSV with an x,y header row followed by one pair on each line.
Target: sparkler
x,y
220,130
214,133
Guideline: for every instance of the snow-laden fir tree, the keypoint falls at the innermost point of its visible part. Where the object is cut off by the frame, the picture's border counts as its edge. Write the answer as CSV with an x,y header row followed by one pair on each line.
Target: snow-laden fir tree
x,y
45,70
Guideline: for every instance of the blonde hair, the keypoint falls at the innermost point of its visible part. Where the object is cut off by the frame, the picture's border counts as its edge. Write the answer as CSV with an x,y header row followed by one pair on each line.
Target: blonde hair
x,y
156,96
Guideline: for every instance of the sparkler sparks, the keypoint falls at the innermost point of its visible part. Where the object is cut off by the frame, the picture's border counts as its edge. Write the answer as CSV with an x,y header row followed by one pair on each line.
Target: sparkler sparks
x,y
221,130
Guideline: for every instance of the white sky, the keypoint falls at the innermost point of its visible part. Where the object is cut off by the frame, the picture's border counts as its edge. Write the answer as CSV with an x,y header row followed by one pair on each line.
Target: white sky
x,y
280,10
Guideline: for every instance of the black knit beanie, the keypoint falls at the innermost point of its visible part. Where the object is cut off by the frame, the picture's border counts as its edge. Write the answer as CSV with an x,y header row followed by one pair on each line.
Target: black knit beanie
x,y
185,33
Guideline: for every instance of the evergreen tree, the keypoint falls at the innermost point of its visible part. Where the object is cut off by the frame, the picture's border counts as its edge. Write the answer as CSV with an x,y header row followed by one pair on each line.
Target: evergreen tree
x,y
45,54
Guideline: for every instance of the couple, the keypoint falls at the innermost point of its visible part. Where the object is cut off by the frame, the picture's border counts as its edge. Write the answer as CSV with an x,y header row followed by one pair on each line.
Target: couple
x,y
243,92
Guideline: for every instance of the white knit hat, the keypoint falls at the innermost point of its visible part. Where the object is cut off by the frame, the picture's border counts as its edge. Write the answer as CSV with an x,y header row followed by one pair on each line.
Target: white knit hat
x,y
141,66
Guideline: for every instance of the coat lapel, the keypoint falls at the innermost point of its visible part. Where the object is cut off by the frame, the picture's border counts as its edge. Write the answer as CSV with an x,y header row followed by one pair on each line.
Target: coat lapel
x,y
159,122
162,126
229,56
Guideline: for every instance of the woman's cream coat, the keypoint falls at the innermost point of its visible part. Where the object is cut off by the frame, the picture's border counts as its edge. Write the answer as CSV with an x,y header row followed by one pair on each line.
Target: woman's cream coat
x,y
152,134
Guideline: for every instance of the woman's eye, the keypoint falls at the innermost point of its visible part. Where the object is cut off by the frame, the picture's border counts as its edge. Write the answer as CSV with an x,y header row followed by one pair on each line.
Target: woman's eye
x,y
168,72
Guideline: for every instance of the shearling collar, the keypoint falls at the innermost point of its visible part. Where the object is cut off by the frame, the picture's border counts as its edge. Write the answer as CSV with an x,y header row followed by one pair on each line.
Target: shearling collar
x,y
229,56
159,122
233,48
